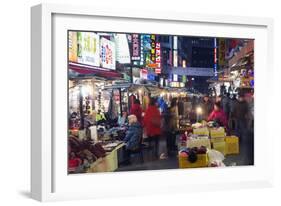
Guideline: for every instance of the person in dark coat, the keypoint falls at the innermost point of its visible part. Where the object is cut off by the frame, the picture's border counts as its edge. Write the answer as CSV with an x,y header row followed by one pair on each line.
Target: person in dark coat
x,y
171,125
240,113
207,107
134,133
133,138
225,103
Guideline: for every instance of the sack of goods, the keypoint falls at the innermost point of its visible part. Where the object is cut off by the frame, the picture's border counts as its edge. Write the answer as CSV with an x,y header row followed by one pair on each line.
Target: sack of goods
x,y
217,132
203,131
198,142
193,157
231,145
215,158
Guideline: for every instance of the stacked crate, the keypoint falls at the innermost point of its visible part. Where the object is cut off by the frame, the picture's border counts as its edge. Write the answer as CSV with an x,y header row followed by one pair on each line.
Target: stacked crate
x,y
231,145
218,139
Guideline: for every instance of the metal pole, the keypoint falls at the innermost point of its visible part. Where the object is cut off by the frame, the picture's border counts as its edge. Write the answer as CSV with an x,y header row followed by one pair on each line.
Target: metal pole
x,y
81,108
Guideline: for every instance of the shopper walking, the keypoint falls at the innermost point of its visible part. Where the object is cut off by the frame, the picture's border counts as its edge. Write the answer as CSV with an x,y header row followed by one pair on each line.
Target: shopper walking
x,y
137,110
225,103
174,123
232,121
152,126
207,107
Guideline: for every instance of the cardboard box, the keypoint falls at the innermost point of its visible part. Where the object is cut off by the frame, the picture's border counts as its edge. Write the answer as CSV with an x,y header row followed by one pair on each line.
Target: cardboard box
x,y
202,161
232,145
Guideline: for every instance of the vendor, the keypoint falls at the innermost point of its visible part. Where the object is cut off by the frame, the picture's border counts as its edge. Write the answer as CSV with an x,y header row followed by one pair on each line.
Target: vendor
x,y
122,120
218,115
133,136
100,118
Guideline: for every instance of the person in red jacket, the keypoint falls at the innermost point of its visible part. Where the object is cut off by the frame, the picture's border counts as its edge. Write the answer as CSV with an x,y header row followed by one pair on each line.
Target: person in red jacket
x,y
218,115
137,110
152,125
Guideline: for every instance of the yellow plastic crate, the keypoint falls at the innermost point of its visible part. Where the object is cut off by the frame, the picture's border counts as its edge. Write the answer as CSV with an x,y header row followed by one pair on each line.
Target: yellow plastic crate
x,y
217,132
201,131
217,139
198,143
202,161
220,146
232,145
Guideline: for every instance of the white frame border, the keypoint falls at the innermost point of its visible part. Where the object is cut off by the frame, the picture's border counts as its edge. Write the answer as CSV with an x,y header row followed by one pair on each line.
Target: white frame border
x,y
41,80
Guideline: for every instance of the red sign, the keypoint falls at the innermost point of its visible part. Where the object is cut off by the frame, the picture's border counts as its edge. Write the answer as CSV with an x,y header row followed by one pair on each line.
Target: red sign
x,y
158,58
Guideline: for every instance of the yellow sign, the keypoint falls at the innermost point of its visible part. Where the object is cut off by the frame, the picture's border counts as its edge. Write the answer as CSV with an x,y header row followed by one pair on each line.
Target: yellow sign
x,y
222,50
72,46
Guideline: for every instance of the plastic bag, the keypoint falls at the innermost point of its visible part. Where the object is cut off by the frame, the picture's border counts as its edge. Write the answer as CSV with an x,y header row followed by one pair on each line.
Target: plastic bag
x,y
215,158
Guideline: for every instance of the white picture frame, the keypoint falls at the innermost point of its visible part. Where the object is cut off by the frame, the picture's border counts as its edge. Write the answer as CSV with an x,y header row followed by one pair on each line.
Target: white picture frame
x,y
49,179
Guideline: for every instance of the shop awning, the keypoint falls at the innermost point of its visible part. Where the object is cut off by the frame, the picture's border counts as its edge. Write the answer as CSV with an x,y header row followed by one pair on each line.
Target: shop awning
x,y
80,70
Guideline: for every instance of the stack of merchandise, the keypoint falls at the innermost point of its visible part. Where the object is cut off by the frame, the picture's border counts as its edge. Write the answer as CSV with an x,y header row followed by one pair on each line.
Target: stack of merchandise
x,y
217,135
193,157
201,131
200,136
82,153
198,141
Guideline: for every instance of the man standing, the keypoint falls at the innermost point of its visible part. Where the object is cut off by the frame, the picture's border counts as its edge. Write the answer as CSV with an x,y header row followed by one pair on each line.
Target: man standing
x,y
207,107
240,113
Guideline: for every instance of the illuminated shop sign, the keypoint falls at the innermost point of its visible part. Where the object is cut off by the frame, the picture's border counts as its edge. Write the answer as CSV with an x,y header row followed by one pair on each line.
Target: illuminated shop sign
x,y
175,52
158,58
88,50
137,50
72,46
107,54
122,49
222,51
177,84
153,47
135,47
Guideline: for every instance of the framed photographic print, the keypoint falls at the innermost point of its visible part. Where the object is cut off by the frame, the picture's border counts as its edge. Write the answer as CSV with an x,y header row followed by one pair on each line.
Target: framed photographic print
x,y
132,102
